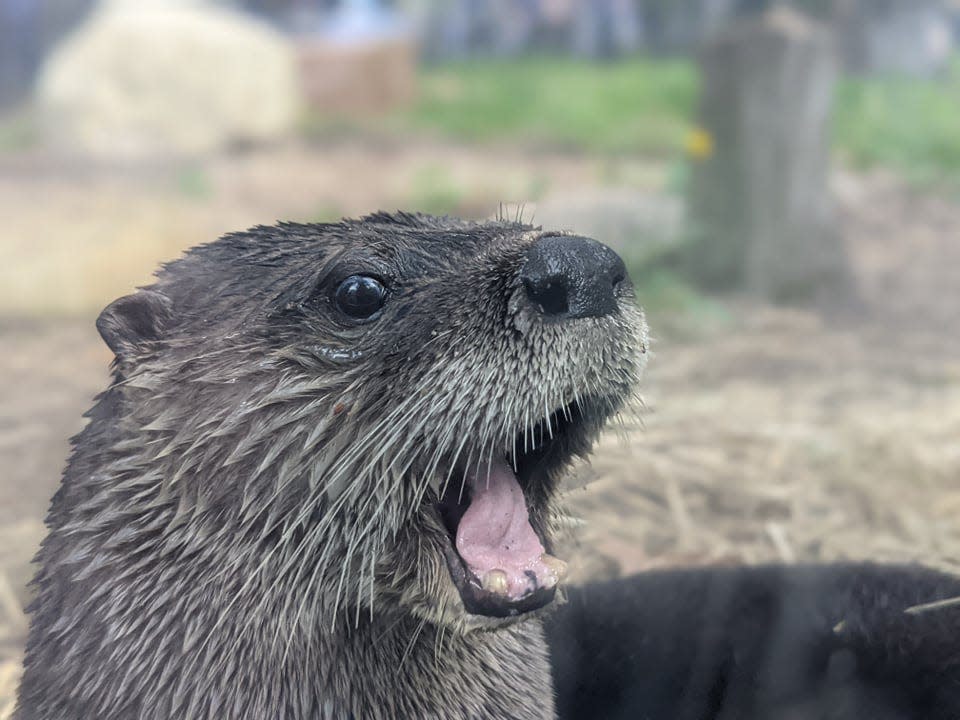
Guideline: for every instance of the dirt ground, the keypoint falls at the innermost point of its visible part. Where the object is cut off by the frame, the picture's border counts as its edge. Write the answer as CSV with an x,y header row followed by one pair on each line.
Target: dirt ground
x,y
766,434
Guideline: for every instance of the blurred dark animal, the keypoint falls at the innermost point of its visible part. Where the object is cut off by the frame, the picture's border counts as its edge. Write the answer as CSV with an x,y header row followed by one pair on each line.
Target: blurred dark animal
x,y
836,642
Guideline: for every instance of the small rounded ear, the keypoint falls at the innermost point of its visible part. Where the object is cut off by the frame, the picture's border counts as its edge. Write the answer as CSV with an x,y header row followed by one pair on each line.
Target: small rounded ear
x,y
132,320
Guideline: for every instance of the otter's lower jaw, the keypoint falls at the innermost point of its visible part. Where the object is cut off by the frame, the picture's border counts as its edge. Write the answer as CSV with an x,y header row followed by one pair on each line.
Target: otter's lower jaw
x,y
489,603
500,565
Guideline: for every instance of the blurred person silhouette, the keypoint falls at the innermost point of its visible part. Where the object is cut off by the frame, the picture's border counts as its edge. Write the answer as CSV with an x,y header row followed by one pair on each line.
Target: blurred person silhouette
x,y
20,33
606,28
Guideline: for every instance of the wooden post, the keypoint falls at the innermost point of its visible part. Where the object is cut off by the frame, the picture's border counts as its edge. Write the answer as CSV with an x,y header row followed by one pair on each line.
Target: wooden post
x,y
762,217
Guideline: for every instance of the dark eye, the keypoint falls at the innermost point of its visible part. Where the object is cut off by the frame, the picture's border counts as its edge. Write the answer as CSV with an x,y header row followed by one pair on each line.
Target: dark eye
x,y
360,296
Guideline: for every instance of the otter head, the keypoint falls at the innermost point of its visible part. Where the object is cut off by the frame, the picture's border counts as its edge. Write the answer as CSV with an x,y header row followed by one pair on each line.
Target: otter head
x,y
376,413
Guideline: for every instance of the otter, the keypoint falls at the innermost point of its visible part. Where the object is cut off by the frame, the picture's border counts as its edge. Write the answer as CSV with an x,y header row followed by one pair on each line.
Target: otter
x,y
323,483
848,641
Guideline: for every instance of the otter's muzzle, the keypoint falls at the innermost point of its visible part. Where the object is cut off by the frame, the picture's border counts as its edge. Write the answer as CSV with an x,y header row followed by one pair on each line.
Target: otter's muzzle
x,y
572,277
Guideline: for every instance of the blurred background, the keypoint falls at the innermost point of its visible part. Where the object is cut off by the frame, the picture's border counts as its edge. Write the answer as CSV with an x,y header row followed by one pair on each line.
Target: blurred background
x,y
783,179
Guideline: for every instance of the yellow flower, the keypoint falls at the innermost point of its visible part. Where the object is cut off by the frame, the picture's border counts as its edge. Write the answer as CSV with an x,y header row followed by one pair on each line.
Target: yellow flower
x,y
699,144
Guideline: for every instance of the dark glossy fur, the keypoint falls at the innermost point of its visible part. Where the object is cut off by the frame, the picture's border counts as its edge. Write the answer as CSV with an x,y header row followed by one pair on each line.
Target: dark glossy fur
x,y
765,643
247,527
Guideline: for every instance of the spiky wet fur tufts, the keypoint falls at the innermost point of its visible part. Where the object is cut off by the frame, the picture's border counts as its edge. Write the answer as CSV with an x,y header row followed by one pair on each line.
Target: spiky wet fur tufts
x,y
245,528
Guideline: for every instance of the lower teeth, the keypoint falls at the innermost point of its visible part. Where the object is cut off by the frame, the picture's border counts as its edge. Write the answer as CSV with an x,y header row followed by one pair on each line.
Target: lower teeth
x,y
495,581
556,567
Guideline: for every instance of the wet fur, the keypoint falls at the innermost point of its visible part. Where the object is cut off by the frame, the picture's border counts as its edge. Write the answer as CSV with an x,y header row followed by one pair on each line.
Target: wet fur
x,y
245,527
765,643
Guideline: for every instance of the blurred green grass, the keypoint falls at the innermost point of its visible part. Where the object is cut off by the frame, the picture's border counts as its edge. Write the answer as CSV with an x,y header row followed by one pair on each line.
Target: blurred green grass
x,y
638,106
646,107
912,126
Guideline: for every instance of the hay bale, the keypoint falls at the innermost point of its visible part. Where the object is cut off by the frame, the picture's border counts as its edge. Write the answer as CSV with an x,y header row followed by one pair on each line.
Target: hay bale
x,y
148,78
342,78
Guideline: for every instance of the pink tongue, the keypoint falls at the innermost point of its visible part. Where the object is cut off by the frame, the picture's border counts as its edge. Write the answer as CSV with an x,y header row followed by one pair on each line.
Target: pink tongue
x,y
495,532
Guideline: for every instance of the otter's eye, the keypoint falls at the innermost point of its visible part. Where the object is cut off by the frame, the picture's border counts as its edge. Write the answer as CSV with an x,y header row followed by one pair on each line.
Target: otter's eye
x,y
360,296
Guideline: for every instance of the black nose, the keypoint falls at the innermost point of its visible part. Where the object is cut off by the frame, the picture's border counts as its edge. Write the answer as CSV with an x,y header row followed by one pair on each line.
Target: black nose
x,y
572,277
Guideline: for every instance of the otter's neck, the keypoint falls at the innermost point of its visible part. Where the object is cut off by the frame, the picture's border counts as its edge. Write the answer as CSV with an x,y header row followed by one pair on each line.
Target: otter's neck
x,y
416,670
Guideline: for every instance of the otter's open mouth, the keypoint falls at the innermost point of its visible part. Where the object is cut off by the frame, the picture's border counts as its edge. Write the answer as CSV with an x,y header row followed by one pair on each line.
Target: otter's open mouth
x,y
499,562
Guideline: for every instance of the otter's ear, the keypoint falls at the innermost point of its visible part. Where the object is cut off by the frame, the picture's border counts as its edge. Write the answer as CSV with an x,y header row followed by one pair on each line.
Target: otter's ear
x,y
132,320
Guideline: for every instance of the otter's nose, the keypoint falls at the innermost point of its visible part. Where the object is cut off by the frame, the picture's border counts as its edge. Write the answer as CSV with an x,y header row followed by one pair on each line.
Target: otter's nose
x,y
572,277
